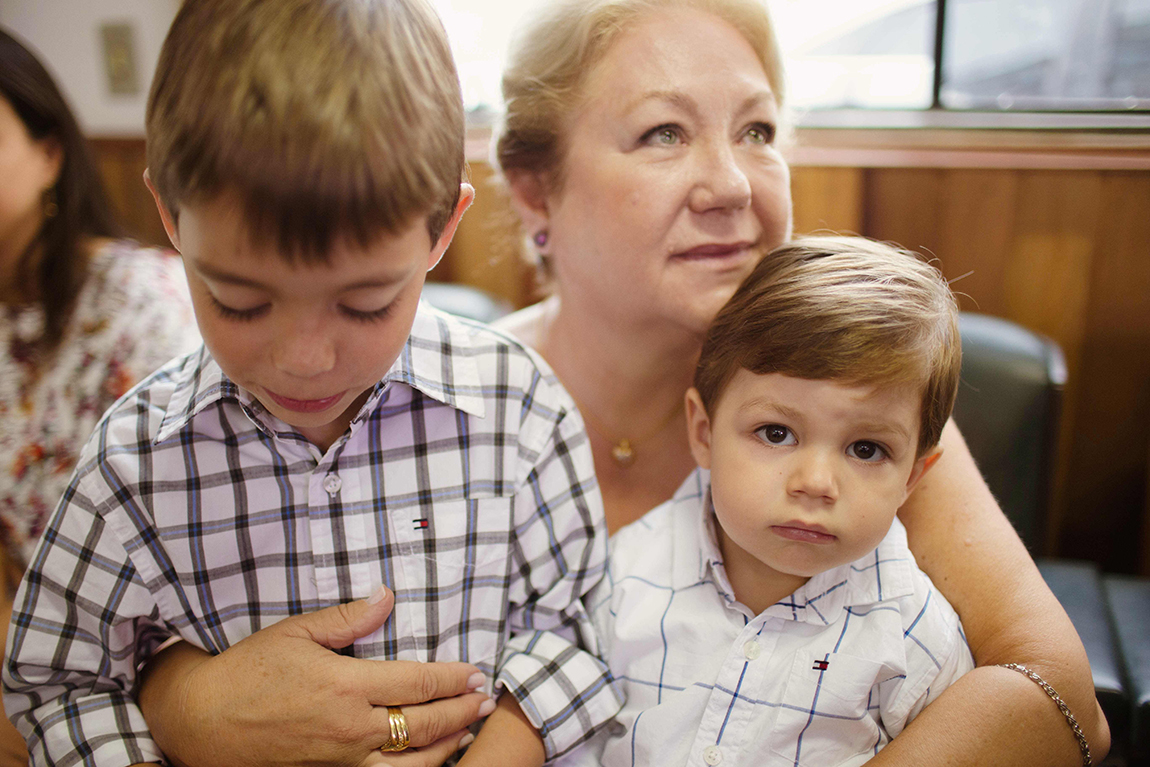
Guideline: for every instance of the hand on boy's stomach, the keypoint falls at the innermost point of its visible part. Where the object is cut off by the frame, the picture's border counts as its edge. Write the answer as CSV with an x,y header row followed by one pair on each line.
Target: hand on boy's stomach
x,y
281,697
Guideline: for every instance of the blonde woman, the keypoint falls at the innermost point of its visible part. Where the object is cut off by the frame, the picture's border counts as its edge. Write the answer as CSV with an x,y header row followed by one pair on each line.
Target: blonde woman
x,y
640,146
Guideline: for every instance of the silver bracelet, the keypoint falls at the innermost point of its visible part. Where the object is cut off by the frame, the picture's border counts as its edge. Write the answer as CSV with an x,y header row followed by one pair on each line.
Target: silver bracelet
x,y
1083,746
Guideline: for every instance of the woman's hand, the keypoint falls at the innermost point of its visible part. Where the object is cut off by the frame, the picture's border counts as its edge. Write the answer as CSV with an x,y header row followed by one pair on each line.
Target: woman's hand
x,y
281,697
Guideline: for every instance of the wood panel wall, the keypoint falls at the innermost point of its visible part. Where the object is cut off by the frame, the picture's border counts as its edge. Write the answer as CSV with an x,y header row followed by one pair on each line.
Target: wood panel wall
x,y
1062,247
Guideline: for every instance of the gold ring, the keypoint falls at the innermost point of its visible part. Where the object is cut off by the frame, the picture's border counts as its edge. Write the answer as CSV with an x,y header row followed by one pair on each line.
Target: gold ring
x,y
398,740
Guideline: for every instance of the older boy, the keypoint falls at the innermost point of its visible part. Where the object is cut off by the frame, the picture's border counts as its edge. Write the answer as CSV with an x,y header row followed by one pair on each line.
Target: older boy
x,y
771,613
333,434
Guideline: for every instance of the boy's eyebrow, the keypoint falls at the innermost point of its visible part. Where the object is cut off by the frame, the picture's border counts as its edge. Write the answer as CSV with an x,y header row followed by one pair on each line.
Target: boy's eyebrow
x,y
246,282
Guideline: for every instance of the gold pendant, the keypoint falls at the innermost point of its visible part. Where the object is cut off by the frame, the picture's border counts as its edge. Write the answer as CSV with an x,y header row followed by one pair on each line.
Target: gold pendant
x,y
622,453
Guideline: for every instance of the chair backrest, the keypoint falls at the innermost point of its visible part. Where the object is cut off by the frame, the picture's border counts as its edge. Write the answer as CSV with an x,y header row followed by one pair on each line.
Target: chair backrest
x,y
1008,408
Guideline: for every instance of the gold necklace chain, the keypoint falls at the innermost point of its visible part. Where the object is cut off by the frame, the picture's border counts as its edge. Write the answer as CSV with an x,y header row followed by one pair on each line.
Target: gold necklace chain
x,y
623,450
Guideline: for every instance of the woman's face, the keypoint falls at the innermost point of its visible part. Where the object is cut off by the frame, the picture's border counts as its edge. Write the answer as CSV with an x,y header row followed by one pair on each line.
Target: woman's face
x,y
28,168
673,187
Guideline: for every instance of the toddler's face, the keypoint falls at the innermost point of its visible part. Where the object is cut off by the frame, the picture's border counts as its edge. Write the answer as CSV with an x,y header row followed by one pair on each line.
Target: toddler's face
x,y
805,475
308,341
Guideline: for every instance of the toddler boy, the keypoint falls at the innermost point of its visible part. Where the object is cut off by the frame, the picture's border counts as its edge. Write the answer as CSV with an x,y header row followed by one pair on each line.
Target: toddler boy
x,y
771,612
333,434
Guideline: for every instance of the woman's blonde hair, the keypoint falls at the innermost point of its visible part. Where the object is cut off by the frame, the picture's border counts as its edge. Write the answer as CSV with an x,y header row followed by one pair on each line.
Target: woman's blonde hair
x,y
329,118
844,309
548,65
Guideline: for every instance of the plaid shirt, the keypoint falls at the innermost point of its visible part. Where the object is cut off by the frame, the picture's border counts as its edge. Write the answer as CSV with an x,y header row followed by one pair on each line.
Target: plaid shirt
x,y
465,484
824,677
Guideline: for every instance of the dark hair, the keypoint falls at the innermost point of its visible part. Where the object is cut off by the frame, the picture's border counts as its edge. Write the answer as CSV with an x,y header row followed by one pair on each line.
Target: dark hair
x,y
82,206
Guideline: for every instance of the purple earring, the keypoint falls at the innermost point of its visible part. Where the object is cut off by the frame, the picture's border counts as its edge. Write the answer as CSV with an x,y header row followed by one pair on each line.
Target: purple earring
x,y
540,238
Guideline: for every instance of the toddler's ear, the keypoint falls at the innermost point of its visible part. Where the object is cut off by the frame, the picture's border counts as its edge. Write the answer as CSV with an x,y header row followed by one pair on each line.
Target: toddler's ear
x,y
698,429
921,467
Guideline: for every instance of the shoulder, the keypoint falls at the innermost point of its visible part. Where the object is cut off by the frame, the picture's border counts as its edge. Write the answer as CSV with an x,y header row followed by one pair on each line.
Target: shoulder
x,y
124,265
663,544
530,323
131,425
932,632
496,363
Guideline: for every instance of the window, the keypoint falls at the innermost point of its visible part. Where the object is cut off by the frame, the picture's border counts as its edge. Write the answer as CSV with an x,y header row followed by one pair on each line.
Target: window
x,y
997,55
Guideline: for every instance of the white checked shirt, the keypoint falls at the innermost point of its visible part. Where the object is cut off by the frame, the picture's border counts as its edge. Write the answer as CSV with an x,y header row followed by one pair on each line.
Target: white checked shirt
x,y
465,484
824,677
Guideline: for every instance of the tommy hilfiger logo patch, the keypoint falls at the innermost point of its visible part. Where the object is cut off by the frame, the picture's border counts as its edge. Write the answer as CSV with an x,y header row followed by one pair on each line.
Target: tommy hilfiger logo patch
x,y
419,524
821,665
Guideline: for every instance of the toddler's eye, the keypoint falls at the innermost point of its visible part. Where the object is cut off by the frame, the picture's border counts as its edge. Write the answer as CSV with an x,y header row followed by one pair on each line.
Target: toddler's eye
x,y
865,450
777,434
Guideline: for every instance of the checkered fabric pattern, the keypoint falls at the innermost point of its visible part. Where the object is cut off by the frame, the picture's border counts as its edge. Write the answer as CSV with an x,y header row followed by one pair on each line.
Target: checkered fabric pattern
x,y
465,484
824,677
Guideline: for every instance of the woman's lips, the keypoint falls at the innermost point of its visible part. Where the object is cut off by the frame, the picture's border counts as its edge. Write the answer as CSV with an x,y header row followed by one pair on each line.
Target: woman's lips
x,y
802,533
715,251
304,405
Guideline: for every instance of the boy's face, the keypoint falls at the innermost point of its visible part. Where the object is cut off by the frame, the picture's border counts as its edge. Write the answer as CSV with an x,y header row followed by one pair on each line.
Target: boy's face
x,y
805,475
308,341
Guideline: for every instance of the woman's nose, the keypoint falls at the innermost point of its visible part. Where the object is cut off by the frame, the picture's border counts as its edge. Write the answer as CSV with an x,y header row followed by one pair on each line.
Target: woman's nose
x,y
812,476
721,183
304,349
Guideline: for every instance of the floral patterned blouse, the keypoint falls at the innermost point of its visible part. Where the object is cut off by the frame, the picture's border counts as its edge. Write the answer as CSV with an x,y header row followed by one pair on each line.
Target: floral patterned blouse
x,y
132,315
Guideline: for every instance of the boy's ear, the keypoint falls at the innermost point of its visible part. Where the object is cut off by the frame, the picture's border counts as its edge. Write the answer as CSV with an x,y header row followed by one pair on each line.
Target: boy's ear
x,y
529,198
466,196
165,214
921,467
698,429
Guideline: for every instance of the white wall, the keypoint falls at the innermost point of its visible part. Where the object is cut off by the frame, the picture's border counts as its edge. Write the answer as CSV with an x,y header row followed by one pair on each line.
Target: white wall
x,y
65,34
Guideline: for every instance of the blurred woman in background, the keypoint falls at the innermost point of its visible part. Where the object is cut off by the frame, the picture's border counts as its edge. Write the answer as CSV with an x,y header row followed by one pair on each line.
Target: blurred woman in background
x,y
84,314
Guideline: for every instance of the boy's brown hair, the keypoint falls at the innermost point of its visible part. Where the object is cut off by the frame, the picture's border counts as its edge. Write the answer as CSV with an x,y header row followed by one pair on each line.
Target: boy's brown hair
x,y
845,309
329,118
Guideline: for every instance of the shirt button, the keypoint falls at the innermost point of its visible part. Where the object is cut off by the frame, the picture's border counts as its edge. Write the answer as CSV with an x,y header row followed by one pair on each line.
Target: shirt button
x,y
751,649
712,755
332,483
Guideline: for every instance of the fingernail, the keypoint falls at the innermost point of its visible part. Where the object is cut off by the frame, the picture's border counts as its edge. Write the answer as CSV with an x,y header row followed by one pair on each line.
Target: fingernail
x,y
378,596
486,707
466,740
475,681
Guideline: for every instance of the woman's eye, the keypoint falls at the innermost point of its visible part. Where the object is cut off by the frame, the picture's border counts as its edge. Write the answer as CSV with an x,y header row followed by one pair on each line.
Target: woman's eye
x,y
865,450
777,434
370,316
238,315
761,133
662,135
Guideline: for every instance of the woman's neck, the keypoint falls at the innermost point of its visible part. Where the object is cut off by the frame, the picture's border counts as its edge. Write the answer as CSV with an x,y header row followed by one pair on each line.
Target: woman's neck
x,y
629,384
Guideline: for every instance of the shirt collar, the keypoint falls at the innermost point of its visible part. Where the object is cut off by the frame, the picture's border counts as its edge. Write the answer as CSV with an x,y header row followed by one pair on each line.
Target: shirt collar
x,y
438,360
887,572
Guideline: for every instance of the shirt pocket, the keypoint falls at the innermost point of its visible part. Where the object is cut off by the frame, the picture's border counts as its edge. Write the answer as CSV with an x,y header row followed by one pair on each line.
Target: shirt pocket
x,y
455,572
827,715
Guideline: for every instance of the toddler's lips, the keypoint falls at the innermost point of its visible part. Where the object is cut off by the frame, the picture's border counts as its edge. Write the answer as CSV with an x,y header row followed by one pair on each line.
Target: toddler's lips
x,y
802,534
304,405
